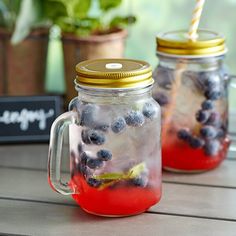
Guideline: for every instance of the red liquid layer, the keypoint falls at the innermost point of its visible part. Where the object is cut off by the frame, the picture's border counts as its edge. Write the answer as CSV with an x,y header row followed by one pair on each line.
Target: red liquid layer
x,y
122,200
180,156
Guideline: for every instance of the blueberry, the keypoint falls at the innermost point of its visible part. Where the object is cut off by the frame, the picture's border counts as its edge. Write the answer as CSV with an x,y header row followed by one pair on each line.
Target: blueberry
x,y
118,125
96,137
183,134
83,158
104,155
94,182
161,98
212,147
196,142
202,116
134,118
212,94
140,181
207,105
87,115
214,119
94,163
210,79
85,136
82,164
84,170
80,148
90,136
149,110
220,133
210,83
208,132
102,126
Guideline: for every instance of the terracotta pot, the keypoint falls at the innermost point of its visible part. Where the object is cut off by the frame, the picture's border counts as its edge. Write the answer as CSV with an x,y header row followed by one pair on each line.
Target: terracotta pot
x,y
22,66
93,47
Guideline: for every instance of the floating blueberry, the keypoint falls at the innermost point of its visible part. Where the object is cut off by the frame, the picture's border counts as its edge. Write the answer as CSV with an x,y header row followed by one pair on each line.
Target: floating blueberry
x,y
104,155
212,147
208,132
207,105
210,82
94,163
161,98
87,115
80,148
149,110
96,137
94,182
202,116
220,133
102,126
83,158
85,136
183,134
90,136
134,118
214,119
213,95
84,170
140,181
196,142
118,125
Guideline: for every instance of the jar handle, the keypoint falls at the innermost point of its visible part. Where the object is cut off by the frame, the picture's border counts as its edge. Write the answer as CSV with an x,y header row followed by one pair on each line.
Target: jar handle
x,y
73,104
55,151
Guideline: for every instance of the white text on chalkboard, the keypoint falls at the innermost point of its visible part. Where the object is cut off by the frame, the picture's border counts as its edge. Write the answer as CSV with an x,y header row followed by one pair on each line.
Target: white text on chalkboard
x,y
25,117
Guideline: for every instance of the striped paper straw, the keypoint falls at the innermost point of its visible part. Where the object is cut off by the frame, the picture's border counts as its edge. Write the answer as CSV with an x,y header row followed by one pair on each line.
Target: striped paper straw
x,y
192,33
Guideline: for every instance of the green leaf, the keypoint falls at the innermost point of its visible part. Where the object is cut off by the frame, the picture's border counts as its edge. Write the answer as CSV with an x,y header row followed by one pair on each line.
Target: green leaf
x,y
30,13
81,27
54,9
8,12
110,176
81,8
136,170
121,22
106,5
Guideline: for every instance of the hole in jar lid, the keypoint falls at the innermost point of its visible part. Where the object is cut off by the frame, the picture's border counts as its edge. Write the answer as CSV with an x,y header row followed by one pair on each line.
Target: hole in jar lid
x,y
113,66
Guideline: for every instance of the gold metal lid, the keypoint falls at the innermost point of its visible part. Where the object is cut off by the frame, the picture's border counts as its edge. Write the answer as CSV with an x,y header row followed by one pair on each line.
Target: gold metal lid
x,y
114,73
208,43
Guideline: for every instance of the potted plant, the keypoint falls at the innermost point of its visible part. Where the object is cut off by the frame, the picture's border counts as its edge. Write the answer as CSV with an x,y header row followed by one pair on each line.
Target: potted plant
x,y
23,47
87,36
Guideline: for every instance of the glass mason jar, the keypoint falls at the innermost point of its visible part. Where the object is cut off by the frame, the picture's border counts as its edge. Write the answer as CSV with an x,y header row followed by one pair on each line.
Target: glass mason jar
x,y
114,139
191,87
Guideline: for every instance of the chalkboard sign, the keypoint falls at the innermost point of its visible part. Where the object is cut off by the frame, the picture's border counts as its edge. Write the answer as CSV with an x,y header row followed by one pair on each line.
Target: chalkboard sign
x,y
27,118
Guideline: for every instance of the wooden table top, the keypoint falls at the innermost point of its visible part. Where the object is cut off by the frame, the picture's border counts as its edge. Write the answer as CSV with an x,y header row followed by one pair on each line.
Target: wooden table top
x,y
196,204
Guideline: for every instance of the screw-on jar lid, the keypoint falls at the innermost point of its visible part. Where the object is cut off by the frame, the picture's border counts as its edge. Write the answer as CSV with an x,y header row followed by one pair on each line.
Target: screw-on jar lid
x,y
114,73
208,43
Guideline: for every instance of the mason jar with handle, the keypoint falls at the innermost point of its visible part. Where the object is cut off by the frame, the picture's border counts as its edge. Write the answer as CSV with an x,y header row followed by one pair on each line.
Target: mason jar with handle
x,y
191,84
114,139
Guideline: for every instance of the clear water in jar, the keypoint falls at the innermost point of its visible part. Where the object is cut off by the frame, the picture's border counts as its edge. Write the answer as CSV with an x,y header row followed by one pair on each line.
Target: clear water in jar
x,y
195,117
115,159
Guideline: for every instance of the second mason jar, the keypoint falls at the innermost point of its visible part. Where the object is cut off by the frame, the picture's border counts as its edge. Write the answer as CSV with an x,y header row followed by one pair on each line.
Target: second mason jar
x,y
115,149
191,87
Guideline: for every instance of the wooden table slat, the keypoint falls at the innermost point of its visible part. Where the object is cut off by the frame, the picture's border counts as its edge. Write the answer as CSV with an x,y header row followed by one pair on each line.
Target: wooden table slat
x,y
223,176
46,219
177,198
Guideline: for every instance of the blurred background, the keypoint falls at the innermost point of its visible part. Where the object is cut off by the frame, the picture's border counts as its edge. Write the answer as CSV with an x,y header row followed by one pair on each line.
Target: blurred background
x,y
154,16
83,18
